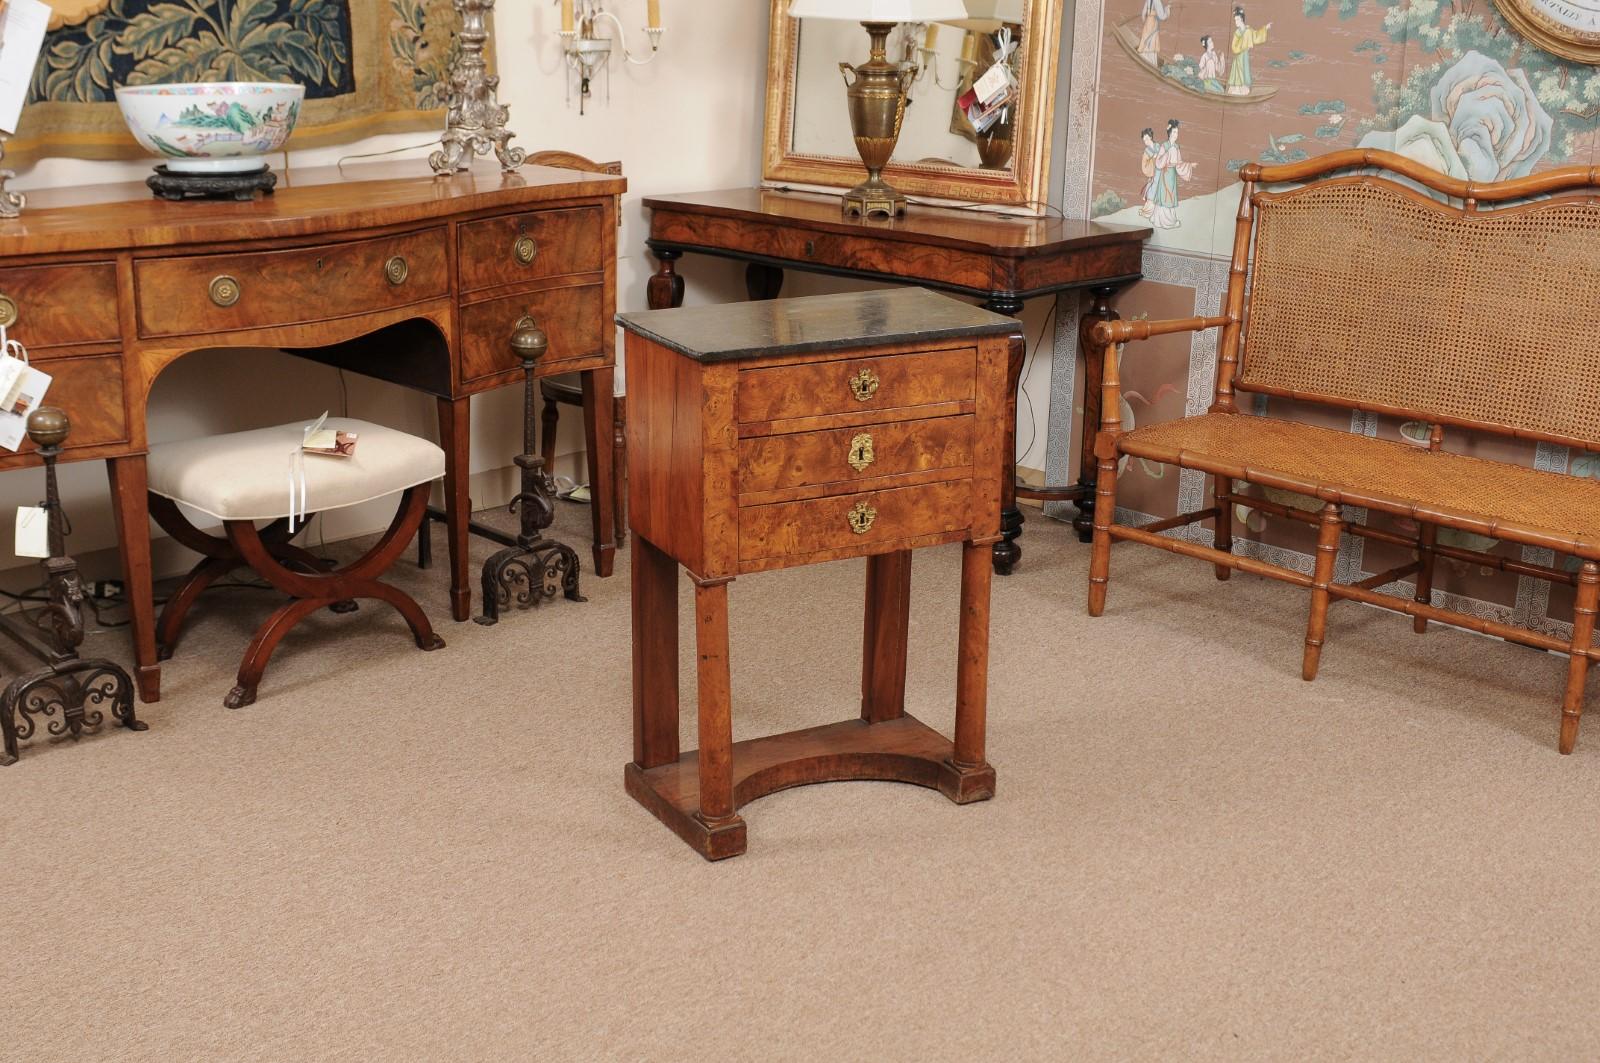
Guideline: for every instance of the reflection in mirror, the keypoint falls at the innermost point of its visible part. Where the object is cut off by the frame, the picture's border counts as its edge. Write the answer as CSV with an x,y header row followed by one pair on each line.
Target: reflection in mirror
x,y
949,58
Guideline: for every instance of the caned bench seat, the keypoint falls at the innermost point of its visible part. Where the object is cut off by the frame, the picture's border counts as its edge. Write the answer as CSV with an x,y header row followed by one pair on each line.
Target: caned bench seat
x,y
1491,498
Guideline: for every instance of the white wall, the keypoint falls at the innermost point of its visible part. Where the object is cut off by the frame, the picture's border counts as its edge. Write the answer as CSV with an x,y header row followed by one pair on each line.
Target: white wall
x,y
689,121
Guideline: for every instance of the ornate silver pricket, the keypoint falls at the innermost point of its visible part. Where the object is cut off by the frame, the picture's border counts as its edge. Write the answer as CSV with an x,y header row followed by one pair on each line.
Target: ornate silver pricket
x,y
476,120
11,203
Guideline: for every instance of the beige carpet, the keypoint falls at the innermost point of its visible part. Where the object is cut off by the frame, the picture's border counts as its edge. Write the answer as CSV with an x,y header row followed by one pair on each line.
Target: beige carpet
x,y
400,856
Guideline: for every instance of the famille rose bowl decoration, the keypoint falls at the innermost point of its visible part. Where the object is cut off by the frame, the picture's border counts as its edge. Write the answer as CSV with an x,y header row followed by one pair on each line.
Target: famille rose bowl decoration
x,y
217,128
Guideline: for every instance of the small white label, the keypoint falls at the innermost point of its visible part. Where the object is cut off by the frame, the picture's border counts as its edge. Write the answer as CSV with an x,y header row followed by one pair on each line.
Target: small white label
x,y
33,532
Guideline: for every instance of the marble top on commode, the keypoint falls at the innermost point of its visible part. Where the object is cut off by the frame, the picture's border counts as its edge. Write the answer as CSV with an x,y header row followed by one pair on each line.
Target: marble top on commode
x,y
729,331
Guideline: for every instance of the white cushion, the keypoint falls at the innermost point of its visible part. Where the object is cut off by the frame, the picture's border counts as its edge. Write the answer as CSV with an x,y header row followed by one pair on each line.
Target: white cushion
x,y
245,475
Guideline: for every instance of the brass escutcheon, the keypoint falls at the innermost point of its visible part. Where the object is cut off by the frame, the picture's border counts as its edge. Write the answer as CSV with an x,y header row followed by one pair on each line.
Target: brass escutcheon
x,y
225,290
861,518
864,385
525,250
860,455
8,311
397,270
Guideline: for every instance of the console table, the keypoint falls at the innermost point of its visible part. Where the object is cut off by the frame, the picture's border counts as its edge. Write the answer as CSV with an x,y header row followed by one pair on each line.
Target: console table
x,y
1001,259
380,269
768,435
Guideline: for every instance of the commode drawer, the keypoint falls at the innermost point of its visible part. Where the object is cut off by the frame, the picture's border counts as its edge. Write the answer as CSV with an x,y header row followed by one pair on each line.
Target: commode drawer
x,y
842,456
856,385
853,521
520,247
60,306
221,293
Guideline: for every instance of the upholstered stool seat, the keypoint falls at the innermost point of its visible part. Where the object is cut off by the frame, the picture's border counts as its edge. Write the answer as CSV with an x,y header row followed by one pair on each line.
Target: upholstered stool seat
x,y
245,477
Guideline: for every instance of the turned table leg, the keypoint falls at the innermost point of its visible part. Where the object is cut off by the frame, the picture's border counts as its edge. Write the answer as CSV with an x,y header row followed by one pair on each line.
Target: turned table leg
x,y
1094,360
1006,552
762,281
665,289
716,717
970,777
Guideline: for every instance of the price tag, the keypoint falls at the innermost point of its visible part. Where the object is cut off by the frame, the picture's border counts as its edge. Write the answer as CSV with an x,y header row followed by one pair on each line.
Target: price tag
x,y
32,385
33,532
993,84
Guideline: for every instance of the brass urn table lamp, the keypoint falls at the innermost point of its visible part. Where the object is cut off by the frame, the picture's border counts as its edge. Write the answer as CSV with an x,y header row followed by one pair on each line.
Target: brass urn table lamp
x,y
877,96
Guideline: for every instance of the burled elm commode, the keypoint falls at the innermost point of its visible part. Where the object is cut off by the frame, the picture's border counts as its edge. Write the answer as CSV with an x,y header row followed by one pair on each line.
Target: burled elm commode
x,y
771,434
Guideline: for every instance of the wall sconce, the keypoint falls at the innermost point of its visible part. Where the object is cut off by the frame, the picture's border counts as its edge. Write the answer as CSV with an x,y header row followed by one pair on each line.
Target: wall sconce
x,y
587,53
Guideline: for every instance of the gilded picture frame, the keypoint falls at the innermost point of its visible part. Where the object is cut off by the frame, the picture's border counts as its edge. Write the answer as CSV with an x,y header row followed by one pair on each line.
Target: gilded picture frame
x,y
1025,186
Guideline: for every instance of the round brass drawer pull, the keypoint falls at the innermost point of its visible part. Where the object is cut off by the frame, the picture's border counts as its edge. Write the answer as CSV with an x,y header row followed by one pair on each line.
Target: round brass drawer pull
x,y
8,311
397,270
225,290
861,518
864,385
525,250
860,455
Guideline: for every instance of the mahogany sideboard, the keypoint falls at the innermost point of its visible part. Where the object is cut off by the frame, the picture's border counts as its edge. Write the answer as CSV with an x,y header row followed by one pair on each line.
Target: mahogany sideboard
x,y
998,258
380,269
767,435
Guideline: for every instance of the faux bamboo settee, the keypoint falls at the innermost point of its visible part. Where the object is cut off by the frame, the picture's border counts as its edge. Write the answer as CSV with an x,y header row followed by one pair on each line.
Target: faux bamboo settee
x,y
1363,280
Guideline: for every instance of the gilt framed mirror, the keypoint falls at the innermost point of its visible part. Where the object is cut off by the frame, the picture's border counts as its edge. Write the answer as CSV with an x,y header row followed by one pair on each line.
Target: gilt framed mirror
x,y
939,154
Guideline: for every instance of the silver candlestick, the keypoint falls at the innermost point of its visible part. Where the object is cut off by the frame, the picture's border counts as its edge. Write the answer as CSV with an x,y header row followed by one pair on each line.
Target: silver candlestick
x,y
475,120
11,203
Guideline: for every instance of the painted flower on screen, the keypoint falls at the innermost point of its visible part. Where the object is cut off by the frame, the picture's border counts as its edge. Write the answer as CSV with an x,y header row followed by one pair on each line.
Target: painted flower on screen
x,y
1499,128
1486,124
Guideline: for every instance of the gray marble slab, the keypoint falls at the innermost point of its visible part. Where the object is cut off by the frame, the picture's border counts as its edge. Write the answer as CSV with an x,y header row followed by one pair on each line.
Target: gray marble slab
x,y
730,331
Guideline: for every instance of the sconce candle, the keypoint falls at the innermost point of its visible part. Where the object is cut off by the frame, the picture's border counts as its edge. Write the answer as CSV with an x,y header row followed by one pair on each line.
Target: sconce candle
x,y
566,16
654,13
931,41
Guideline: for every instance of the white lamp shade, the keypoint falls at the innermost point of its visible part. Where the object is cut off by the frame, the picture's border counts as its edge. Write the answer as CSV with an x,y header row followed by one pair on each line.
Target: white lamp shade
x,y
879,10
986,16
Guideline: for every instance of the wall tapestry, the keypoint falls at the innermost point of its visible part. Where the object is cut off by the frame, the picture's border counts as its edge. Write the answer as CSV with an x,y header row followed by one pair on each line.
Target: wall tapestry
x,y
1171,97
369,66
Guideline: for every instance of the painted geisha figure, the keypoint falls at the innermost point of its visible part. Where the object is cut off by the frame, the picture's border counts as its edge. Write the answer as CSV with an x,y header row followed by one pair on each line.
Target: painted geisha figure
x,y
1244,39
1211,65
1163,164
1154,14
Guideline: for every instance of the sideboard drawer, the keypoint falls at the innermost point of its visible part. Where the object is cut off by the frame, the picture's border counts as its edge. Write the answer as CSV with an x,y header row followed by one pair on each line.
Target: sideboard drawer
x,y
90,389
570,317
842,456
854,385
59,306
541,243
222,293
818,525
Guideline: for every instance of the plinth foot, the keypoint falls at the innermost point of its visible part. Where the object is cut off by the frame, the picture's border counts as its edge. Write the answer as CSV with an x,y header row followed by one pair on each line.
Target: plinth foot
x,y
966,786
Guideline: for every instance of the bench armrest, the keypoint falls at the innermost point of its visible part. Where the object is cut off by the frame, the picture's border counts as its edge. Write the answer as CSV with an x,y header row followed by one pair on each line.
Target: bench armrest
x,y
1109,332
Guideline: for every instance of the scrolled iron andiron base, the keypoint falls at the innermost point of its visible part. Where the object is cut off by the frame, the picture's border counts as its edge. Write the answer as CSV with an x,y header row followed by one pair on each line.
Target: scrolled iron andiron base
x,y
532,568
475,119
68,695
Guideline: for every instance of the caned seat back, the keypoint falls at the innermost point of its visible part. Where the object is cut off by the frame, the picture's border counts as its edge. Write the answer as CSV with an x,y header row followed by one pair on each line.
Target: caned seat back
x,y
1367,294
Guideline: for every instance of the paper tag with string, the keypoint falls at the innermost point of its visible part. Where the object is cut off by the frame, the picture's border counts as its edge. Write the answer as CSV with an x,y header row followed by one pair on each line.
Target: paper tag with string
x,y
22,388
33,532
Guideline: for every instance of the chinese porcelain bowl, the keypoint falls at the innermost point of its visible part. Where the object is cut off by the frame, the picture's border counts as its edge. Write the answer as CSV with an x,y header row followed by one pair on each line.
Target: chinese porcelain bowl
x,y
221,127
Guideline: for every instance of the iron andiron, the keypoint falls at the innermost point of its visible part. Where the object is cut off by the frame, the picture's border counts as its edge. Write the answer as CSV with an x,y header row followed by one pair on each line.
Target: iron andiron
x,y
68,692
531,568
